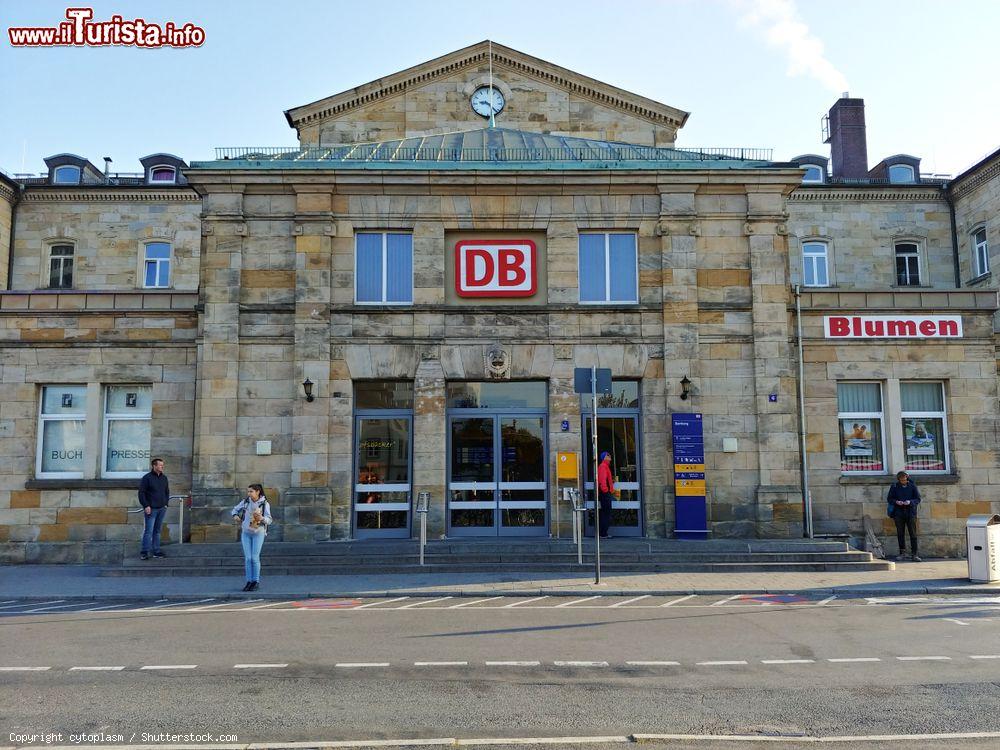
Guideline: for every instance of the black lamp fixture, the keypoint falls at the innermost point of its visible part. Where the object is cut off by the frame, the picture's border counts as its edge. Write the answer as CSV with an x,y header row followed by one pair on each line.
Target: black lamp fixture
x,y
685,388
307,386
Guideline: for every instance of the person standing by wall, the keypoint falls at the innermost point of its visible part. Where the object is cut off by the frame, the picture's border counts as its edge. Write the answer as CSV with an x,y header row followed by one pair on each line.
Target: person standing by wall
x,y
154,494
253,513
605,492
903,499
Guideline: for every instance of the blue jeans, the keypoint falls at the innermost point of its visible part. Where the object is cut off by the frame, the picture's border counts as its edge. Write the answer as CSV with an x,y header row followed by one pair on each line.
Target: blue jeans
x,y
151,531
252,544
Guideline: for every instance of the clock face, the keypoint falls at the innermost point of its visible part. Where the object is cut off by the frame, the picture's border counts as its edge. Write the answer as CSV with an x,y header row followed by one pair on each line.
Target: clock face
x,y
483,102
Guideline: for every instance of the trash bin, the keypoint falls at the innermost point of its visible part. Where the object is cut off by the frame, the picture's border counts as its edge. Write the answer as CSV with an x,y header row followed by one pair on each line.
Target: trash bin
x,y
983,535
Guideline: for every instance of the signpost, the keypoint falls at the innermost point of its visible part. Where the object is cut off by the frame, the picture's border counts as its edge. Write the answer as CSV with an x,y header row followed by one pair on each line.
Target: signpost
x,y
690,516
591,380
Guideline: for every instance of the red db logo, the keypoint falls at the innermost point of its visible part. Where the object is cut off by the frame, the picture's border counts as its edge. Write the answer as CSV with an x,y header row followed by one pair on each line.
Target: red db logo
x,y
495,268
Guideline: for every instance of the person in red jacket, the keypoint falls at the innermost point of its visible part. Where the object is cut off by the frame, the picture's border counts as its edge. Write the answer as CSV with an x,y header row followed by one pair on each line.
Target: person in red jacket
x,y
605,493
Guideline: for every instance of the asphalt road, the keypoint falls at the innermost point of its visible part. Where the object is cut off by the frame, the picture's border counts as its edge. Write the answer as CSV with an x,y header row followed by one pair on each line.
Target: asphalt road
x,y
503,667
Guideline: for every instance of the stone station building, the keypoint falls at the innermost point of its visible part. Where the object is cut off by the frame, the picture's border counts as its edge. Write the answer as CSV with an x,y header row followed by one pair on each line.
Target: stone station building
x,y
396,305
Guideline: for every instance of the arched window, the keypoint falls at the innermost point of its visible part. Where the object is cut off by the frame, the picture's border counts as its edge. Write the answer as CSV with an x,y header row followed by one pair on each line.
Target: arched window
x,y
814,173
899,173
815,264
163,174
907,264
66,175
61,266
980,251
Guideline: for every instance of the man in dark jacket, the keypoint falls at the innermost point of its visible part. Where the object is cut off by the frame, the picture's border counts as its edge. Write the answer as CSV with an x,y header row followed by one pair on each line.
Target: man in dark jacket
x,y
154,492
903,499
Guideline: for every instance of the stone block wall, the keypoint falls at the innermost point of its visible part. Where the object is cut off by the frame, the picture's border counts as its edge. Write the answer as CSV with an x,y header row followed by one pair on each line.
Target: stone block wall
x,y
860,226
108,228
977,204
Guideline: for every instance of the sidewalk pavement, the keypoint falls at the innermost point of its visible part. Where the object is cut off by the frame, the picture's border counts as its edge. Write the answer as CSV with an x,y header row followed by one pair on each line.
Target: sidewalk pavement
x,y
84,582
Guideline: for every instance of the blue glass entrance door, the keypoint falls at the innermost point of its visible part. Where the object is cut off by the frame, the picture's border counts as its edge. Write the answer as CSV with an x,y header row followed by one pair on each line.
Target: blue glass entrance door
x,y
382,479
618,435
496,482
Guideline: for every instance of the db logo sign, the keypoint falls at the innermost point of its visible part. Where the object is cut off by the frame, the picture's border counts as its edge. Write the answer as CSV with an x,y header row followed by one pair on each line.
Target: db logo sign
x,y
495,268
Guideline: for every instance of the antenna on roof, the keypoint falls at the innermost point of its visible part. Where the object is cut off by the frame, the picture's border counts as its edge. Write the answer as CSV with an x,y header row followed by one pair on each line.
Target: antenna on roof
x,y
493,123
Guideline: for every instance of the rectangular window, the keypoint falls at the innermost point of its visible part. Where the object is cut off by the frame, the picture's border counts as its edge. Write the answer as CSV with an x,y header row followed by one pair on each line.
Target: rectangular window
x,y
907,264
156,268
609,269
815,267
859,411
61,267
383,263
982,251
925,427
127,413
62,418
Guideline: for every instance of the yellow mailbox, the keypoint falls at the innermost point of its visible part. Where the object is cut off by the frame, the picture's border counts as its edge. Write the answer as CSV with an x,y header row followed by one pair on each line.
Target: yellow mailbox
x,y
567,466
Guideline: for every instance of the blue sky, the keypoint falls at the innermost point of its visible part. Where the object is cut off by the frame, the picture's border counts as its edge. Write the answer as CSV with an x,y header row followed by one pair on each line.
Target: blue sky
x,y
751,72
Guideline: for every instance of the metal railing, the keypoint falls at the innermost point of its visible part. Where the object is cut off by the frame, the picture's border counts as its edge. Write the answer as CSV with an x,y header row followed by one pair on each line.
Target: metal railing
x,y
393,152
185,500
116,178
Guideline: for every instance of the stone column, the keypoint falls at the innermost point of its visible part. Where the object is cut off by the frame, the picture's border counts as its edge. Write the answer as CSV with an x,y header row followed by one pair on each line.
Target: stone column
x,y
214,488
429,442
307,506
678,230
778,510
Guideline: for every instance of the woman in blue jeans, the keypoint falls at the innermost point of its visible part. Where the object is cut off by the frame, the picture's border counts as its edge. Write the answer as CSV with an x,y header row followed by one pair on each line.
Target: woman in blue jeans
x,y
254,516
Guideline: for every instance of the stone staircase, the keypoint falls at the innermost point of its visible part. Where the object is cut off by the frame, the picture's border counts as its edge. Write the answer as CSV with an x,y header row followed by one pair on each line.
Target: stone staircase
x,y
509,556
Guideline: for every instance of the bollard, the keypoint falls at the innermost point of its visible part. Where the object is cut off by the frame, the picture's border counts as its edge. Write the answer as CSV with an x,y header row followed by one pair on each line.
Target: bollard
x,y
423,506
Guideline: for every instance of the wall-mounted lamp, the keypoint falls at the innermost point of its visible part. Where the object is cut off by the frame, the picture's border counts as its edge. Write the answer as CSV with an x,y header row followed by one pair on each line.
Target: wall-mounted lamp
x,y
307,386
685,388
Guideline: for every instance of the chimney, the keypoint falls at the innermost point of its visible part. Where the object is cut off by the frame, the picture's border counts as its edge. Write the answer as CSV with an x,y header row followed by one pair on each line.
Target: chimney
x,y
107,168
846,136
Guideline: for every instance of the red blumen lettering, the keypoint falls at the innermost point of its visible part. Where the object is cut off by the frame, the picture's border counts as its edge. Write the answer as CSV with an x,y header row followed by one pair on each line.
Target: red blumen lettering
x,y
874,328
948,328
470,267
927,328
839,326
511,267
902,328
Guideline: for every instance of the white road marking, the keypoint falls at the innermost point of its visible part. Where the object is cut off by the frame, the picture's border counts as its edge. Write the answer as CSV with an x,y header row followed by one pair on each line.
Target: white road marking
x,y
575,601
9,601
797,739
682,599
362,664
425,601
825,601
957,622
96,669
382,601
25,669
49,609
563,741
788,661
985,656
474,601
629,601
581,663
721,663
215,606
727,599
524,601
653,663
440,663
99,609
259,666
242,609
854,659
265,606
28,604
923,658
172,604
170,666
513,664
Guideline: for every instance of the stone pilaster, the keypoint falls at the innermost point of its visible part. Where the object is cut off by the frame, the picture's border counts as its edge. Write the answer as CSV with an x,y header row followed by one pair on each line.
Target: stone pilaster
x,y
429,442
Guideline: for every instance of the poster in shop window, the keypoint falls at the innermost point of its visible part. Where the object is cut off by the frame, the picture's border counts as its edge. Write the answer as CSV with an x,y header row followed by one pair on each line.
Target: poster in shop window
x,y
919,439
857,437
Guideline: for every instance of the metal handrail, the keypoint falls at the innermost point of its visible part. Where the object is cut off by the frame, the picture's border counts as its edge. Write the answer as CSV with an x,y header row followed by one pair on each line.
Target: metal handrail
x,y
180,540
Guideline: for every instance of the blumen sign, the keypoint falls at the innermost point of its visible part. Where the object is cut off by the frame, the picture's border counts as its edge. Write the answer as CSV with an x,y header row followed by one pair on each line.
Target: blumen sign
x,y
496,268
892,326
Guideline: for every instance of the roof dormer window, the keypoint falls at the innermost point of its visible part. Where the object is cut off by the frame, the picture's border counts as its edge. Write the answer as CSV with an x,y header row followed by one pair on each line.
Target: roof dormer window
x,y
901,173
163,175
66,175
813,175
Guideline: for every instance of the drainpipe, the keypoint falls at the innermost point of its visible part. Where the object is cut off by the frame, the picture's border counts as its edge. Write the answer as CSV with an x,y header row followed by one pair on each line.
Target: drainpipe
x,y
807,515
954,238
13,223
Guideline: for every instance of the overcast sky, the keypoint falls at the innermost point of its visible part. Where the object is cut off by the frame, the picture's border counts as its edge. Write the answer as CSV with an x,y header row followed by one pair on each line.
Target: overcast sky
x,y
751,72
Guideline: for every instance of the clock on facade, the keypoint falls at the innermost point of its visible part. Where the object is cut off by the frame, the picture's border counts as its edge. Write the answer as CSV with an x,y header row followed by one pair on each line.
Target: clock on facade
x,y
485,97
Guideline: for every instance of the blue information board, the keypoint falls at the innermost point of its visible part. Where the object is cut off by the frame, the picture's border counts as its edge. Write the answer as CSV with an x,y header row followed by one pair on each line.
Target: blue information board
x,y
690,512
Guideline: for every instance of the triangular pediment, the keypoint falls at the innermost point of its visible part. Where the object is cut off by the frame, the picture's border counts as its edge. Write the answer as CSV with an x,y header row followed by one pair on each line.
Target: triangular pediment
x,y
545,97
